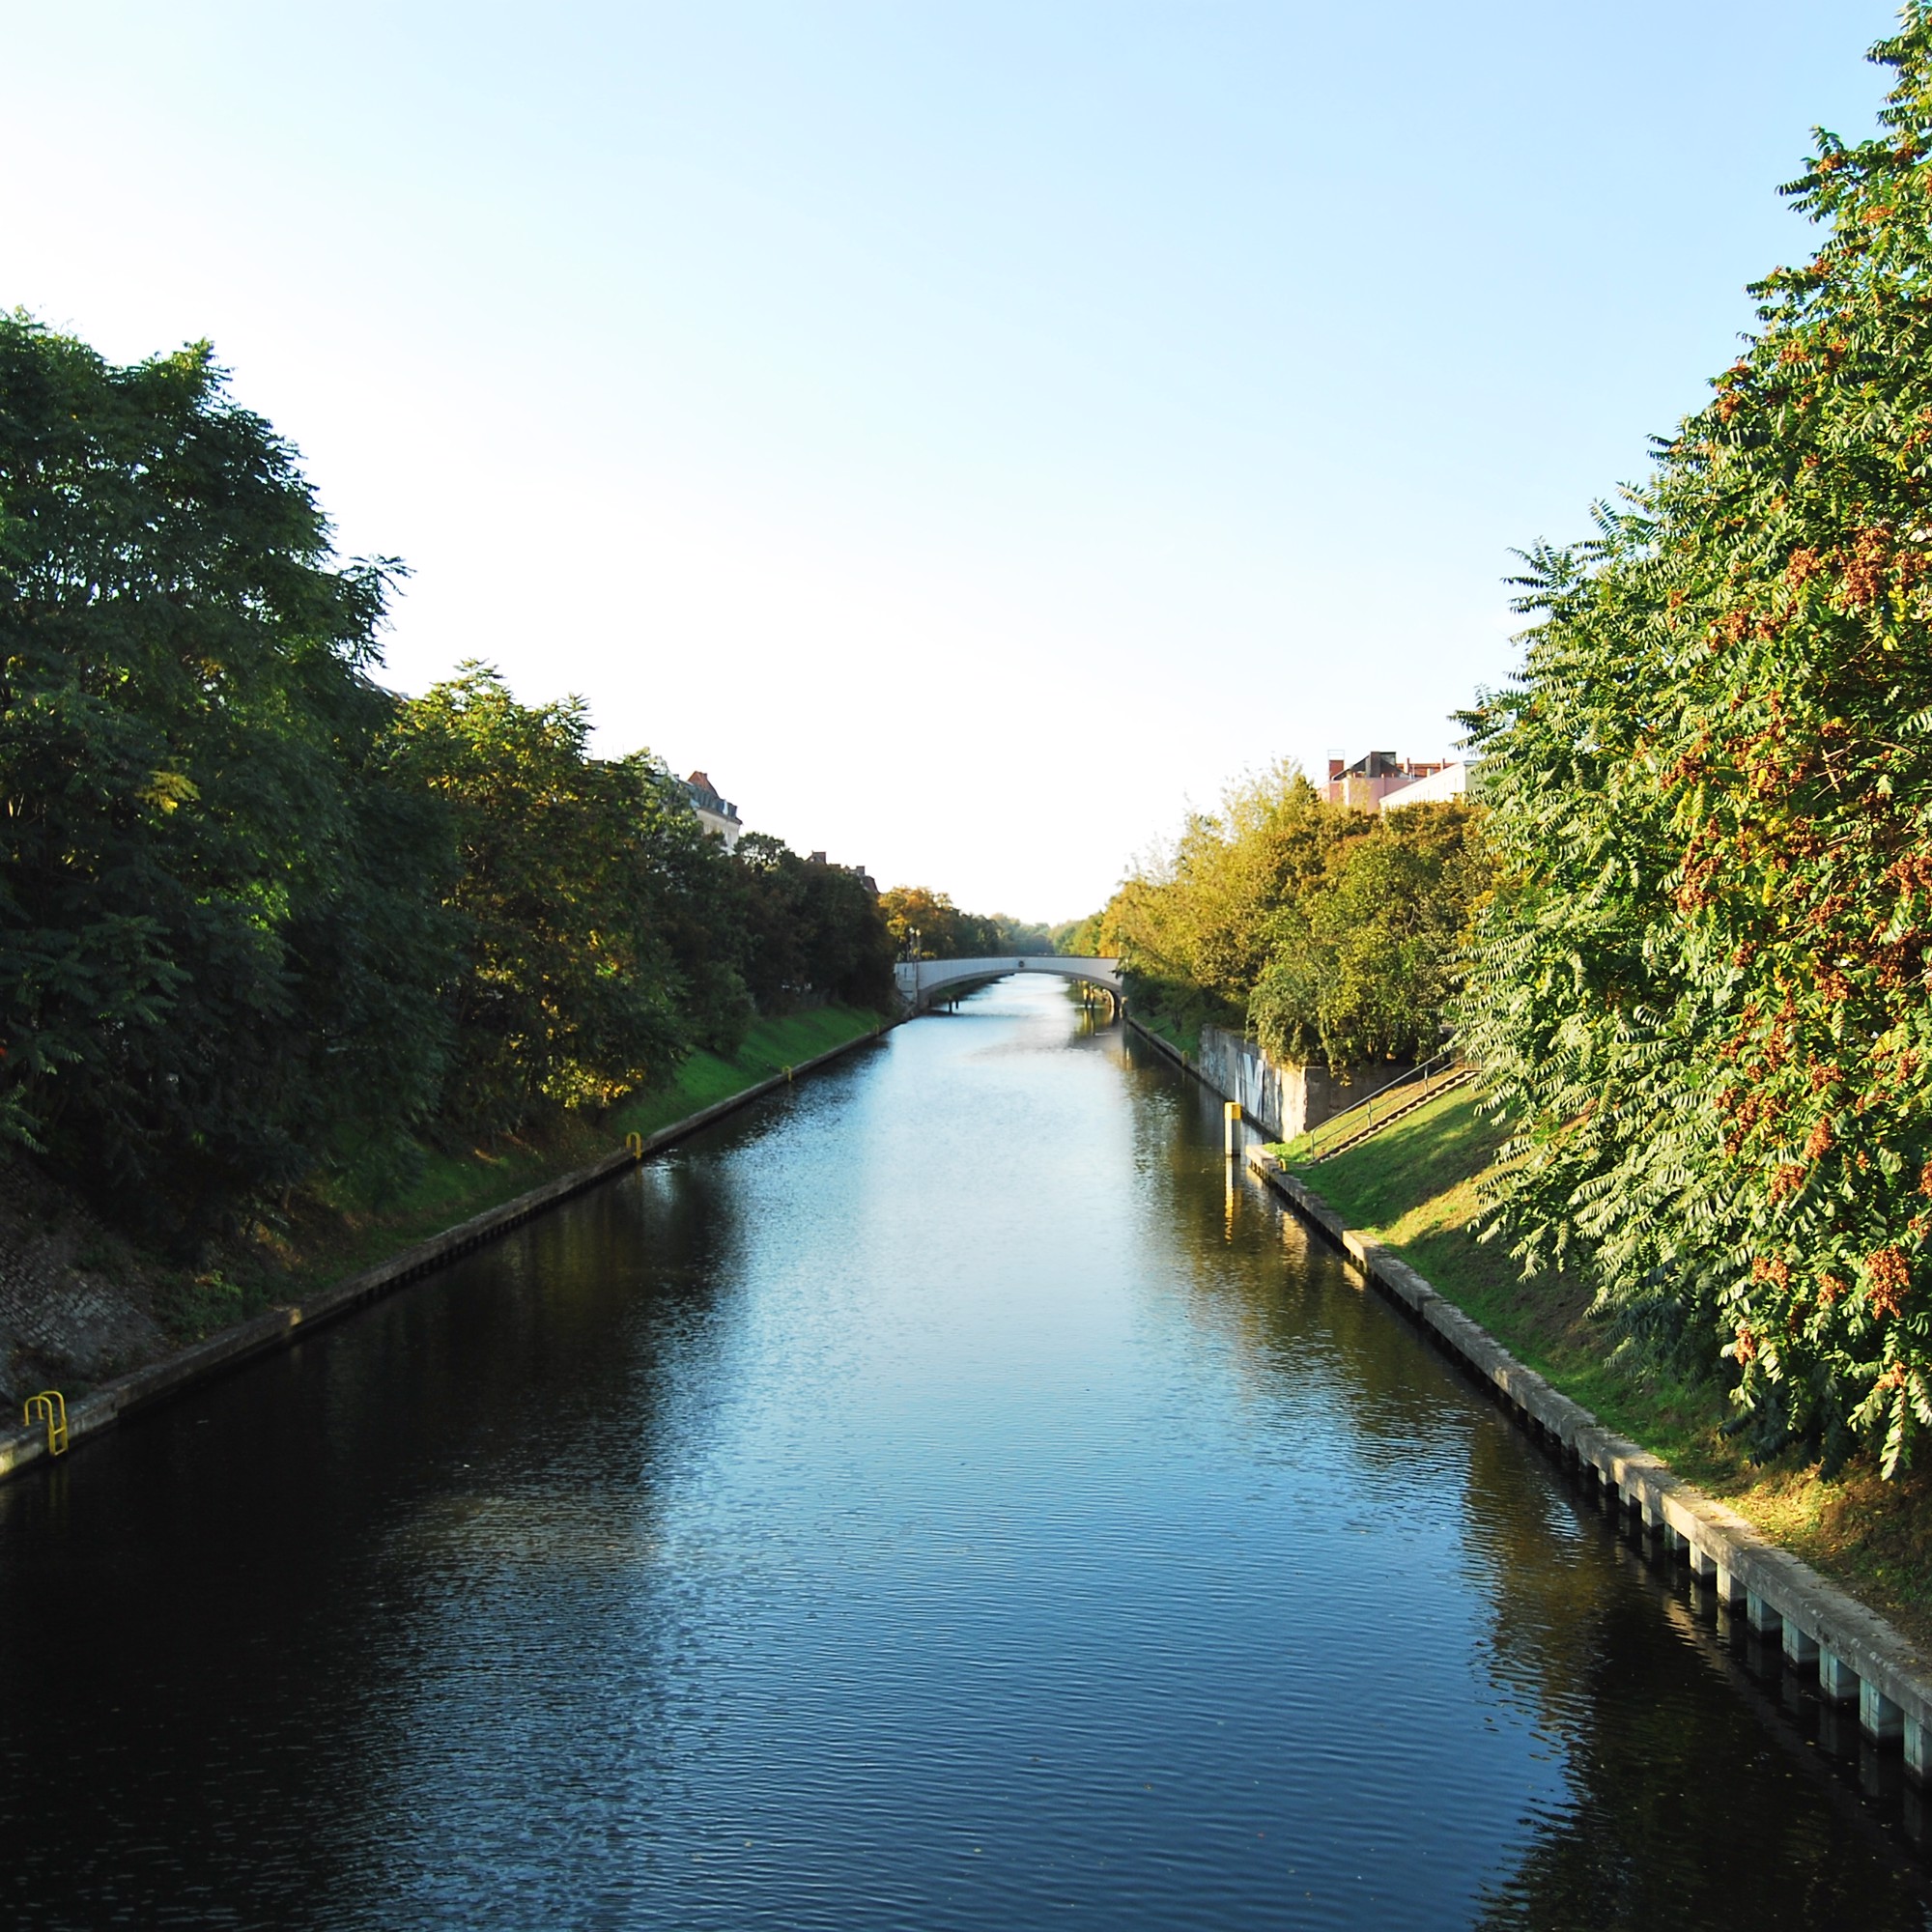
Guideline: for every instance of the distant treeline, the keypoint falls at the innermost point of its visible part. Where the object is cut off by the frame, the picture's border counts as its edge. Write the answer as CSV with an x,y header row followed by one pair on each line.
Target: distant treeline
x,y
263,921
1331,933
944,932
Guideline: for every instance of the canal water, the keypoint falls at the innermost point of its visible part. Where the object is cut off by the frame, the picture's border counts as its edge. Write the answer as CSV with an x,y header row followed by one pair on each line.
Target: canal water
x,y
943,1497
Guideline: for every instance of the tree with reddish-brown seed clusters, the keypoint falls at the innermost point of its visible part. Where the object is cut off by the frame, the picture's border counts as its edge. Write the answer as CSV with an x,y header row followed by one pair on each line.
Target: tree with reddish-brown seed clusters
x,y
1705,1003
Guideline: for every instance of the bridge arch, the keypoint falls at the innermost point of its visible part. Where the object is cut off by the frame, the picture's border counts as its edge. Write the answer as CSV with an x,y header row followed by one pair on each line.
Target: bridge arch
x,y
923,983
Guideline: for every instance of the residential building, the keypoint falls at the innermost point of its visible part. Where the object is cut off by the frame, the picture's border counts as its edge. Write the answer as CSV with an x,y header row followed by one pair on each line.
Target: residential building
x,y
1371,779
1449,782
859,872
714,813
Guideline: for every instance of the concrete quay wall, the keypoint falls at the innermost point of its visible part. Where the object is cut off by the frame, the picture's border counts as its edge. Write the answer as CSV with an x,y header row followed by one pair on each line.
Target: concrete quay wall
x,y
1282,1099
20,1448
1861,1657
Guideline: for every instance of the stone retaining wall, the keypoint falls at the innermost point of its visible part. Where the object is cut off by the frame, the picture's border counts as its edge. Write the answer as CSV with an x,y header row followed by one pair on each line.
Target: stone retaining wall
x,y
1282,1099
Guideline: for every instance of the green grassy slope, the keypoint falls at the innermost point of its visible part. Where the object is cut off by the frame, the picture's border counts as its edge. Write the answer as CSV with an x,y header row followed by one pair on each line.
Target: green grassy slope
x,y
454,1187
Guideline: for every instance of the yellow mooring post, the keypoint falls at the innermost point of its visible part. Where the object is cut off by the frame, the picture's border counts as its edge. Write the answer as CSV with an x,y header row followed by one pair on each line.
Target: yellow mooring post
x,y
1230,1115
788,1074
52,1405
633,1145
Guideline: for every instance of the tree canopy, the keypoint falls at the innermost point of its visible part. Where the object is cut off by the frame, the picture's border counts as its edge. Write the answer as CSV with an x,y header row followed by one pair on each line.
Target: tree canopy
x,y
1703,999
1336,933
1363,963
944,932
201,846
262,919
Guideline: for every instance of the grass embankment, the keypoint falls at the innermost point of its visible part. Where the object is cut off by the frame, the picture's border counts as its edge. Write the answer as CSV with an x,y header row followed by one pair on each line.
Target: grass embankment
x,y
341,1238
79,1303
1175,1035
1176,1019
1414,1188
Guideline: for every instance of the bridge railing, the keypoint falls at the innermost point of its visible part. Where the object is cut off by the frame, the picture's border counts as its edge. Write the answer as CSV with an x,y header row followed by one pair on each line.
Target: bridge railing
x,y
915,979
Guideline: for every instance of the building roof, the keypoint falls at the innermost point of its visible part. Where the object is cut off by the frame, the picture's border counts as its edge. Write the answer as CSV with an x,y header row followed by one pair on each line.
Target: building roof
x,y
704,796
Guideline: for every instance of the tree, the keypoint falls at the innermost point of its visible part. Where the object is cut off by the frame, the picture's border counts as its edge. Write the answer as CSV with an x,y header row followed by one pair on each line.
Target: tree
x,y
217,936
1703,999
571,995
1196,917
1023,938
1078,938
814,931
1362,964
944,932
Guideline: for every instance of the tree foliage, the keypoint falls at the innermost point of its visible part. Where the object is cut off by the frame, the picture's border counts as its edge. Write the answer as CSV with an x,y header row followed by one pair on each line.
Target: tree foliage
x,y
1362,967
1335,932
570,992
217,917
1704,1000
944,932
1199,914
812,929
263,921
1078,938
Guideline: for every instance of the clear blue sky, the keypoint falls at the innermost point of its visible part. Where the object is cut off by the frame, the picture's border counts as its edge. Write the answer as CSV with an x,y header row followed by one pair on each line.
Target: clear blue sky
x,y
970,432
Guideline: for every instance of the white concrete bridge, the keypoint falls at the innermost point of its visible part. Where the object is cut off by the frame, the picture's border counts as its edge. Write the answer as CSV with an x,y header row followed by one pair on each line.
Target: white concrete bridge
x,y
925,982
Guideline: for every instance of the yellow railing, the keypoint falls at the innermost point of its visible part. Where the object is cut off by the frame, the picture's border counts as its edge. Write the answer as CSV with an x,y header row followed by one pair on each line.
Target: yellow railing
x,y
52,1404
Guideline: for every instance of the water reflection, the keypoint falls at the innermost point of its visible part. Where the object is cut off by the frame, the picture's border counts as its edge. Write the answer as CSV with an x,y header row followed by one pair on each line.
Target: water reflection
x,y
938,1499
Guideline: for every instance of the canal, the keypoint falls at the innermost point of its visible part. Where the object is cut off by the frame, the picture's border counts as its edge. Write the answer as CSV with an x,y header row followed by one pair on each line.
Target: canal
x,y
940,1497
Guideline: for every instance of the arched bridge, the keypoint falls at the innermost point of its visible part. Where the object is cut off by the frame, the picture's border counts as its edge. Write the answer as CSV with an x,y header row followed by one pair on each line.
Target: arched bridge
x,y
925,982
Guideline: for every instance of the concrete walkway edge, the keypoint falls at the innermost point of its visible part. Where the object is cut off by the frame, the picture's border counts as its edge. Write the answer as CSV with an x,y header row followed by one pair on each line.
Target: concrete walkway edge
x,y
99,1410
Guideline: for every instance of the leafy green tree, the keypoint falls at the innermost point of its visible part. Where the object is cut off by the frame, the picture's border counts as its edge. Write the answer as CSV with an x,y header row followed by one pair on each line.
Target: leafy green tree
x,y
263,923
847,946
1078,938
1703,997
945,932
218,945
1023,938
1363,962
1195,919
571,995
814,931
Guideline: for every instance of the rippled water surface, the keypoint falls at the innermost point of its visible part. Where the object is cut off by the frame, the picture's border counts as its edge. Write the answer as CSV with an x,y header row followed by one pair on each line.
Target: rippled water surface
x,y
938,1499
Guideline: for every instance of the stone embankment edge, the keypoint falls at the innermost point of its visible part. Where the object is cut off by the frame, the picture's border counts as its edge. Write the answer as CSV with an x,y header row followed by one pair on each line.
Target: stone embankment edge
x,y
21,1448
1172,1052
1861,1657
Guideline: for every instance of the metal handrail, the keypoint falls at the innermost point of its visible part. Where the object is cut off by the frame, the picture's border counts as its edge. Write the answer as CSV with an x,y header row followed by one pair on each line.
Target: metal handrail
x,y
50,1407
1360,1119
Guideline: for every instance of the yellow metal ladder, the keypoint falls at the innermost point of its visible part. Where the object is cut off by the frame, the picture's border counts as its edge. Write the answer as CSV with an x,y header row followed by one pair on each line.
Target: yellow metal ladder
x,y
52,1404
